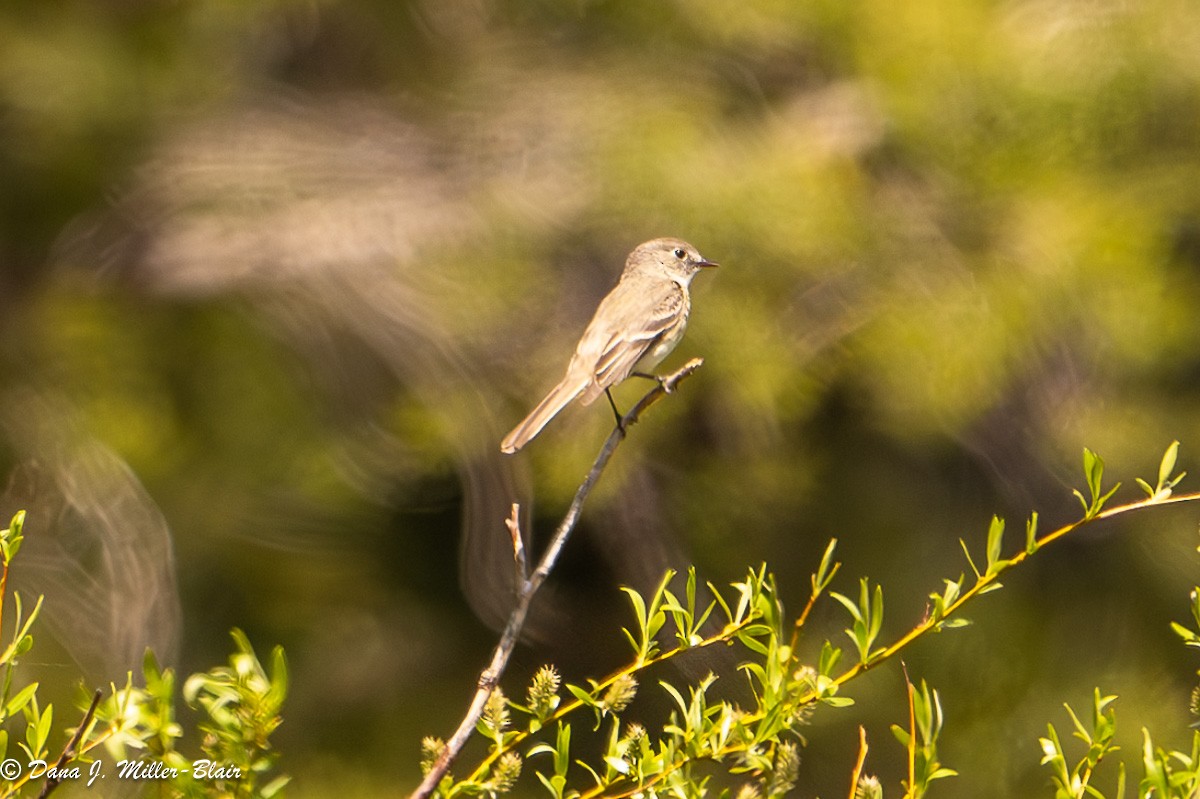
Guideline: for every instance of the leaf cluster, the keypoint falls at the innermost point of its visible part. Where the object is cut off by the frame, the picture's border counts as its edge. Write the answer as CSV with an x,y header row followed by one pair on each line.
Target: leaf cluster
x,y
710,745
241,703
1166,774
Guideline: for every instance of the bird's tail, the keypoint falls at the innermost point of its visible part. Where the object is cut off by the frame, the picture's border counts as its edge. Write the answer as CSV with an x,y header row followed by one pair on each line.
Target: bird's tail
x,y
570,388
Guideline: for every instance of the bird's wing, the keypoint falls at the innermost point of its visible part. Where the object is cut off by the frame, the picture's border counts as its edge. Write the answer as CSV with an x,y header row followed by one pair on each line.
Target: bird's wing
x,y
630,330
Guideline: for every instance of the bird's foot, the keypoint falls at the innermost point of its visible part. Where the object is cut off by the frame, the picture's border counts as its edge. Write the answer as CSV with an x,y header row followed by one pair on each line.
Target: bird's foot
x,y
663,383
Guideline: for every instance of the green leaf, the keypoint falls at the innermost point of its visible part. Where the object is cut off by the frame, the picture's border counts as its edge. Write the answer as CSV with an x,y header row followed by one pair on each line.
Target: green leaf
x,y
1154,767
847,603
970,561
867,615
279,680
22,641
10,539
1093,468
272,788
562,755
1167,465
752,643
995,542
1100,503
828,659
583,696
953,589
1080,732
720,600
678,697
38,733
19,700
639,612
553,784
1166,481
826,570
876,611
615,763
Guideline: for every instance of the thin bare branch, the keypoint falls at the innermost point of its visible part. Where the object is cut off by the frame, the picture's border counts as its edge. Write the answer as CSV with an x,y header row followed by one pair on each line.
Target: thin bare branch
x,y
490,676
71,751
513,523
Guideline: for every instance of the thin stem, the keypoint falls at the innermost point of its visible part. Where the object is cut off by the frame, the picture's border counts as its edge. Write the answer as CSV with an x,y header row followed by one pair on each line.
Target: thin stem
x,y
3,590
921,629
991,578
912,735
490,676
513,523
8,667
856,775
70,752
817,591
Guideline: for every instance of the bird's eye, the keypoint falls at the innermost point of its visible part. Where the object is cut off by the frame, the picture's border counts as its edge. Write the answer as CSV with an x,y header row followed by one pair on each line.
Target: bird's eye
x,y
679,253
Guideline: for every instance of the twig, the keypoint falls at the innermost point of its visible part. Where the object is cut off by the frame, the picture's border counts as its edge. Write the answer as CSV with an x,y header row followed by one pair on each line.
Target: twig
x,y
70,752
490,676
856,775
984,581
817,590
513,523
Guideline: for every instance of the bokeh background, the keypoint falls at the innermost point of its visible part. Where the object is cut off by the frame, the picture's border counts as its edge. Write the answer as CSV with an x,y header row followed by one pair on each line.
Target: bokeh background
x,y
275,278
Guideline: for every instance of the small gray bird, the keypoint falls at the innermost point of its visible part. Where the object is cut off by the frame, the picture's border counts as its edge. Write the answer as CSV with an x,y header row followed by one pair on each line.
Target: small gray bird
x,y
636,325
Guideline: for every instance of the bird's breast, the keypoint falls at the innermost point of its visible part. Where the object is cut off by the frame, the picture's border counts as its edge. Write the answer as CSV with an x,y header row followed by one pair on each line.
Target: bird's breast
x,y
667,341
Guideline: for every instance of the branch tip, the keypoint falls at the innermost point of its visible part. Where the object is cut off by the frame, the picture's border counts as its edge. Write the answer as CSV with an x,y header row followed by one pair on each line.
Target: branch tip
x,y
513,523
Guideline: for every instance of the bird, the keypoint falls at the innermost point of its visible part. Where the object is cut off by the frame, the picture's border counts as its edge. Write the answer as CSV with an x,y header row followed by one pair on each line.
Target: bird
x,y
636,325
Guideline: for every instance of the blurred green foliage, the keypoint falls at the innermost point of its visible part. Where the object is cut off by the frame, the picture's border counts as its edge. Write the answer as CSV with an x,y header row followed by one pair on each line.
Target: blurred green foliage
x,y
300,264
136,725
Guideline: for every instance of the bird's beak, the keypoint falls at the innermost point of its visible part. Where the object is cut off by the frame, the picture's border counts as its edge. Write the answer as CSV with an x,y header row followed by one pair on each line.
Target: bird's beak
x,y
705,262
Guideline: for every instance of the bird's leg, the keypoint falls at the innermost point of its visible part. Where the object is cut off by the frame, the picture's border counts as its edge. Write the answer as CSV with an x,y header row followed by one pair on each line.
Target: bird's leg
x,y
662,382
612,404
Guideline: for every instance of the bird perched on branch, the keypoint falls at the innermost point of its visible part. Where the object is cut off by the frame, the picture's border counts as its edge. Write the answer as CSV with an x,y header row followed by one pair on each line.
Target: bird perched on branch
x,y
635,327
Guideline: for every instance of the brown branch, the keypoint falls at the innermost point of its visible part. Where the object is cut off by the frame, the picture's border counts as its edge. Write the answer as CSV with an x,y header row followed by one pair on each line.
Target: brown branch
x,y
513,523
71,750
856,775
490,676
